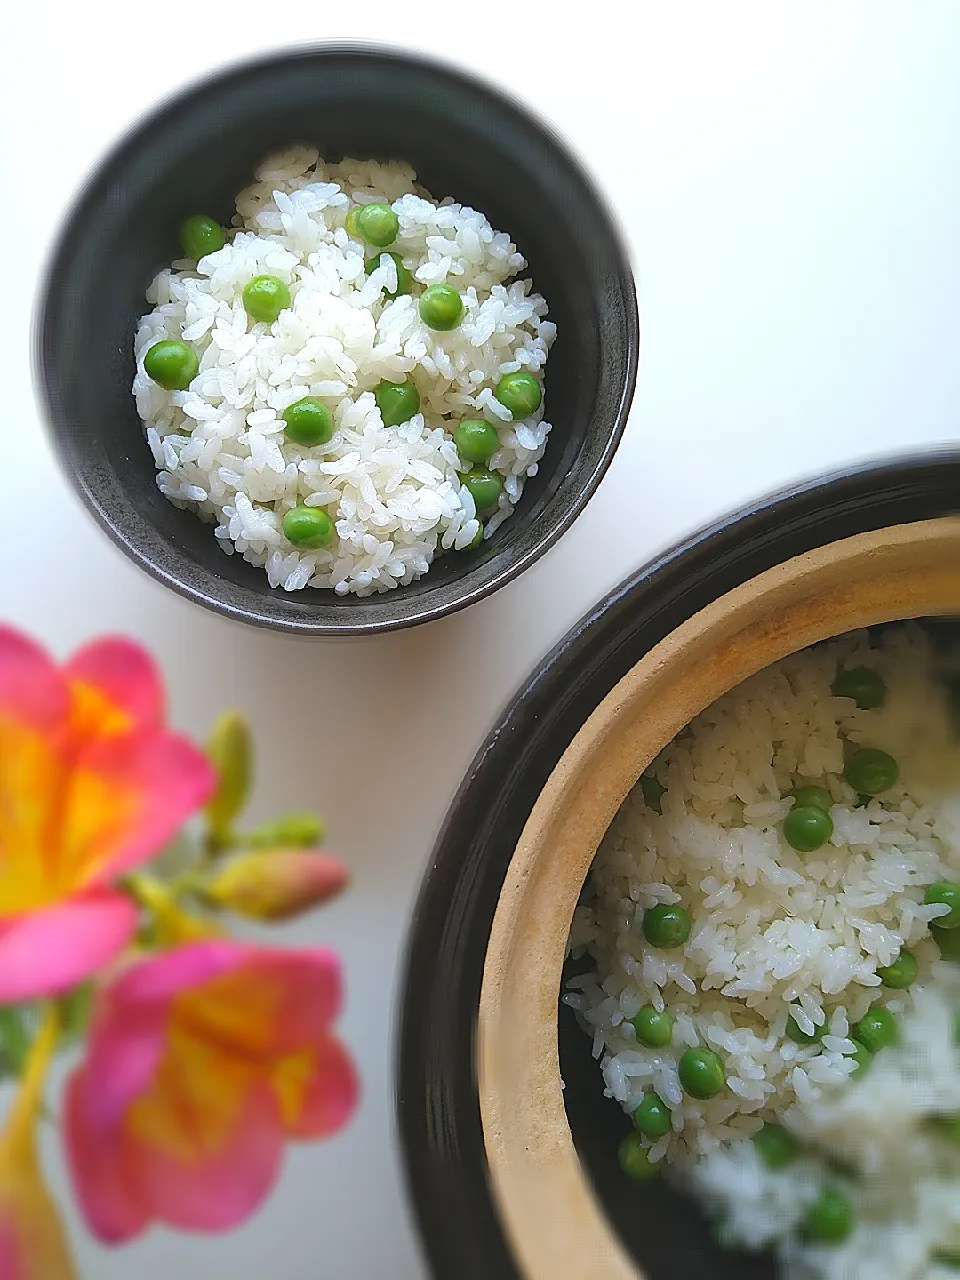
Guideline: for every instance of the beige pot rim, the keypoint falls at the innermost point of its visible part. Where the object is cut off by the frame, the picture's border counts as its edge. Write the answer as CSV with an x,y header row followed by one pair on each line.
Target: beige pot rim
x,y
550,1215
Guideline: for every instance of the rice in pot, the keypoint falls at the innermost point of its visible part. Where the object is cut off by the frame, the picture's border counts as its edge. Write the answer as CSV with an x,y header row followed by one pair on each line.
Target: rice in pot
x,y
777,933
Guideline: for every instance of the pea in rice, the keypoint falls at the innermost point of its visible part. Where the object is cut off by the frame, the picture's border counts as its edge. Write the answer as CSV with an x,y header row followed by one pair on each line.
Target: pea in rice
x,y
393,483
813,984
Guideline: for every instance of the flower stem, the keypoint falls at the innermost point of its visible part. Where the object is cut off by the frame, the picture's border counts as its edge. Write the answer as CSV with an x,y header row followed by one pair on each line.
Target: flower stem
x,y
19,1132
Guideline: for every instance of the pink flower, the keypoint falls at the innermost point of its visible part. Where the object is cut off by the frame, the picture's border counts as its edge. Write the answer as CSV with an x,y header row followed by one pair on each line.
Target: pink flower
x,y
201,1061
91,784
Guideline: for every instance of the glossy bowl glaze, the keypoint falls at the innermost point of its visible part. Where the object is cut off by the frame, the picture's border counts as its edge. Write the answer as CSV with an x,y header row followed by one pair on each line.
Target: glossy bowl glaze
x,y
512,1175
466,140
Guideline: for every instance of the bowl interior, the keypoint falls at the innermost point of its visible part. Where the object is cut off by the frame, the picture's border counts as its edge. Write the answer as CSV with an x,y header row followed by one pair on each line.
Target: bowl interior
x,y
551,1146
197,154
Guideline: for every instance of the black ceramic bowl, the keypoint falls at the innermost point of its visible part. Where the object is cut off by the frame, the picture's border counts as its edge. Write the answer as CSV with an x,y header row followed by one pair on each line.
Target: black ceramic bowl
x,y
465,140
441,1067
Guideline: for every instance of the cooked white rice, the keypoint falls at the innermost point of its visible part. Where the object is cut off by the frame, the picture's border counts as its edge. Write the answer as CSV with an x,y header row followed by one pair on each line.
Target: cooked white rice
x,y
394,492
776,931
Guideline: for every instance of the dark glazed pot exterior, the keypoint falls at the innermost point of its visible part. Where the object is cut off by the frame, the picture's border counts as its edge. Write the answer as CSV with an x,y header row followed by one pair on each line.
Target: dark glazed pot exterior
x,y
465,140
438,1107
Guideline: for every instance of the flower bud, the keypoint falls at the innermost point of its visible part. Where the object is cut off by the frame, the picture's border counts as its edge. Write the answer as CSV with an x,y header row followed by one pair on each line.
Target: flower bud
x,y
230,752
276,884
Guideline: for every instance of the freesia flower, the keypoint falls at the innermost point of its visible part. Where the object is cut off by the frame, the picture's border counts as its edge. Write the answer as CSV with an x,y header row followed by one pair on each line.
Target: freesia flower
x,y
32,1242
91,784
201,1061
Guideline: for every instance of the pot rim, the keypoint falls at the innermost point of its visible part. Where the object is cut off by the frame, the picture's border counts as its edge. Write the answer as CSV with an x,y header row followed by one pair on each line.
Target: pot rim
x,y
437,1091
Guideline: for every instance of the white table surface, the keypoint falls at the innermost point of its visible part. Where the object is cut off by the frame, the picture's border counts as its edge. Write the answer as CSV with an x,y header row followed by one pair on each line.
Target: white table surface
x,y
788,182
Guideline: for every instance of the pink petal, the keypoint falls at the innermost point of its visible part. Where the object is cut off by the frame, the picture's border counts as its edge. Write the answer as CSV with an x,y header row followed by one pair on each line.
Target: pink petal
x,y
53,949
126,1045
331,1097
308,986
163,976
125,674
129,1031
214,1191
101,1183
157,780
31,686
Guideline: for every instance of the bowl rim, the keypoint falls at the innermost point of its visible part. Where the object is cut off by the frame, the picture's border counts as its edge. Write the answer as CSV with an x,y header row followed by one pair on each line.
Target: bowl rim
x,y
438,1103
55,414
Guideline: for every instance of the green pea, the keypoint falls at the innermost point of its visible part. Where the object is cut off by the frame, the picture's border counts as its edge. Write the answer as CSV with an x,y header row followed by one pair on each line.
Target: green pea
x,y
948,940
901,973
666,926
171,364
862,1057
870,771
813,798
377,224
483,486
946,1257
652,790
476,440
350,223
519,392
441,307
264,297
701,1073
775,1146
947,893
654,1027
861,684
799,1036
474,541
403,275
308,422
806,828
652,1116
397,402
308,527
876,1030
829,1219
200,235
635,1159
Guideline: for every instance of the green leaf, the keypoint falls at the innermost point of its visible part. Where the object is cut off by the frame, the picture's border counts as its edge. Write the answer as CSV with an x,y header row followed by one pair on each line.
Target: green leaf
x,y
75,1009
15,1039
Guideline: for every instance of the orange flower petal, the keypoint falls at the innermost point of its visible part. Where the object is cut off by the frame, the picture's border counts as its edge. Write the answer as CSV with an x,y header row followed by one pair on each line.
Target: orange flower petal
x,y
32,782
128,796
318,1090
117,674
221,1187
